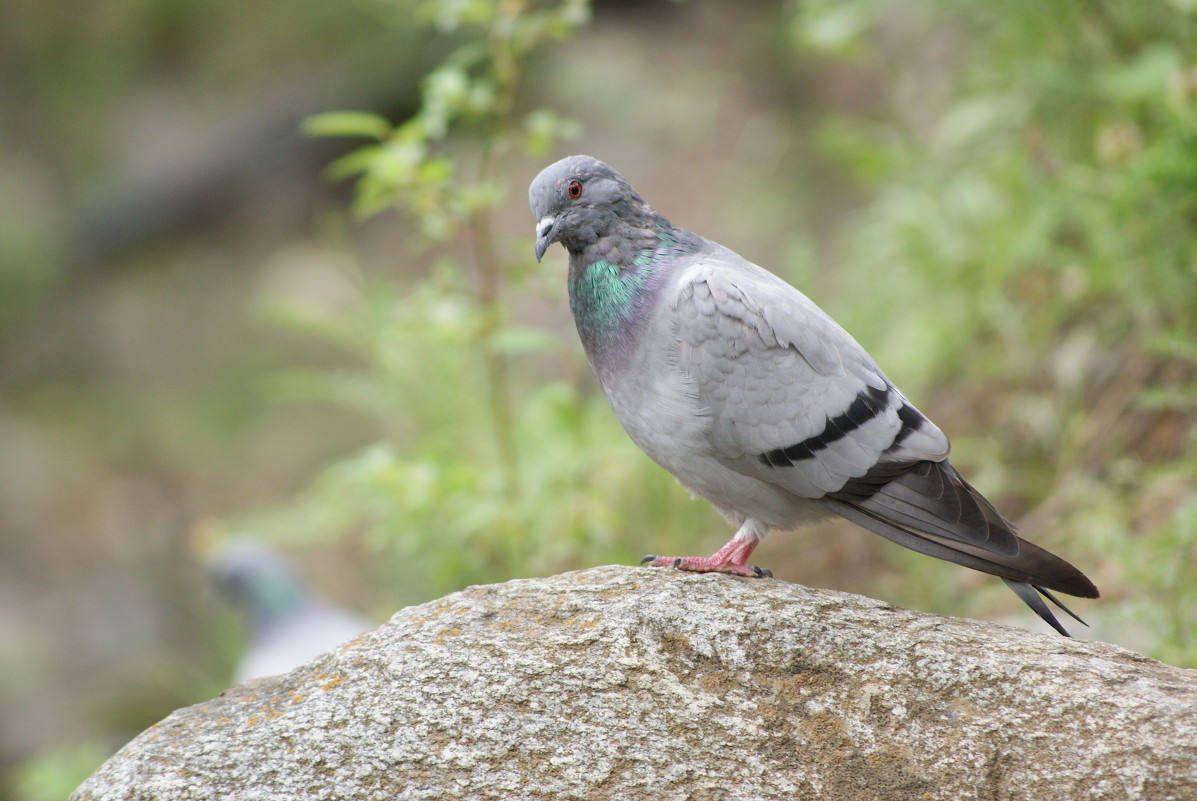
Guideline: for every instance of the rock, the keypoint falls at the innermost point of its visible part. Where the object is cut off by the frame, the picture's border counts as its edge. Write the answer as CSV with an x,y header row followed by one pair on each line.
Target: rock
x,y
631,683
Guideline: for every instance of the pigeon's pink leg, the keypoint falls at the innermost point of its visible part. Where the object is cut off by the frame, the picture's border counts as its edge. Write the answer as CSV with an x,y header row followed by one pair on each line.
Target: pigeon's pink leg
x,y
728,559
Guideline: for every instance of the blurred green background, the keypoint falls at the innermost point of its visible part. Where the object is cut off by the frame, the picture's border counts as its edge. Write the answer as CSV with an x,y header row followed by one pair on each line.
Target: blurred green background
x,y
265,271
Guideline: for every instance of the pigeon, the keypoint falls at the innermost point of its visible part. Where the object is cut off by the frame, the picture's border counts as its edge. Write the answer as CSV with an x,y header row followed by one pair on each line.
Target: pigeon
x,y
288,624
754,398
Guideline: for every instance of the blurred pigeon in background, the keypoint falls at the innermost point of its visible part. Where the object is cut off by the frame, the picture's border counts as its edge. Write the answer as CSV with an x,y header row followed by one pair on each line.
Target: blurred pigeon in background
x,y
288,624
748,393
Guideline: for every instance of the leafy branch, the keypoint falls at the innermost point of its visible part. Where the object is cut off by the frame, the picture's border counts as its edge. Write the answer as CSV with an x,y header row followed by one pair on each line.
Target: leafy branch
x,y
409,165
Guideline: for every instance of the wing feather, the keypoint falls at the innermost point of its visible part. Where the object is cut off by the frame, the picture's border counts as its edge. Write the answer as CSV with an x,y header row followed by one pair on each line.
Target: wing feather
x,y
792,398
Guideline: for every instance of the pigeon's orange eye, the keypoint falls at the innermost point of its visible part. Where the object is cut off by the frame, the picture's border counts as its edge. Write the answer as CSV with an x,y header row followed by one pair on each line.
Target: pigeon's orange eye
x,y
574,189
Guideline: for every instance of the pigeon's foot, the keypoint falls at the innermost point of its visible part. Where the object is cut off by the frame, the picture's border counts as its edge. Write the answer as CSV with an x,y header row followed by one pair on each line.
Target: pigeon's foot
x,y
728,559
699,564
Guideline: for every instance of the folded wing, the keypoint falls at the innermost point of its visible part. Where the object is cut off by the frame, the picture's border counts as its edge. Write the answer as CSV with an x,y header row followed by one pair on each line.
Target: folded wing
x,y
793,400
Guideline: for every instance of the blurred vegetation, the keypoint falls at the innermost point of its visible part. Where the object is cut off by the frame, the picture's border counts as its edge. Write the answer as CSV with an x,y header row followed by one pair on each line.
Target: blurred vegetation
x,y
998,199
486,470
1038,207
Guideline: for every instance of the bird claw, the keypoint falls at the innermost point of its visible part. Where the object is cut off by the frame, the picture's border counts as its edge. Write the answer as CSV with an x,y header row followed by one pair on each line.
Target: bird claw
x,y
695,564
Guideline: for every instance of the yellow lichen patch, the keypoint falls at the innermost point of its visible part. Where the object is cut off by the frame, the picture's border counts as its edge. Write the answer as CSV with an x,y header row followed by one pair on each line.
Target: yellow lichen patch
x,y
270,709
443,633
333,680
296,697
224,720
609,593
267,711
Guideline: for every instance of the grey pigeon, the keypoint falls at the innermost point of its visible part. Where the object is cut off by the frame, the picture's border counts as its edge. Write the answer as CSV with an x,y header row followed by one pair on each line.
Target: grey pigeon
x,y
288,624
751,396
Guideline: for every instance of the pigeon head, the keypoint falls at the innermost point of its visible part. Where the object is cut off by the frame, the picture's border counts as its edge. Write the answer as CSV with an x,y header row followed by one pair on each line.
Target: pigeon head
x,y
579,201
258,578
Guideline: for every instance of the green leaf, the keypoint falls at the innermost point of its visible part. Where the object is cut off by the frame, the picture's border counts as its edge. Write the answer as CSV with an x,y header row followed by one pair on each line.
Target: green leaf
x,y
355,162
348,123
1142,78
543,127
833,27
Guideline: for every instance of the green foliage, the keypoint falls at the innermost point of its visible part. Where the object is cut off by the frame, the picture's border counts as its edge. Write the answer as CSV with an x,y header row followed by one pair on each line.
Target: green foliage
x,y
474,92
447,505
1036,212
484,471
53,774
1161,563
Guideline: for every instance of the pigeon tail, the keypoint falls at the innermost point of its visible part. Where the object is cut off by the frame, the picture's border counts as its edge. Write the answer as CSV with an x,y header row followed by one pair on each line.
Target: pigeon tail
x,y
1030,571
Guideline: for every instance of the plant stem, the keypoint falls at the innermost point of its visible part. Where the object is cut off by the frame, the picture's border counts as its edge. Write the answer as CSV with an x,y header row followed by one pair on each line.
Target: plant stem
x,y
508,69
490,289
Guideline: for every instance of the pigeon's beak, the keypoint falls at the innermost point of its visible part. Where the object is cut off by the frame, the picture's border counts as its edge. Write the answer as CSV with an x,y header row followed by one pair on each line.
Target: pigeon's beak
x,y
546,234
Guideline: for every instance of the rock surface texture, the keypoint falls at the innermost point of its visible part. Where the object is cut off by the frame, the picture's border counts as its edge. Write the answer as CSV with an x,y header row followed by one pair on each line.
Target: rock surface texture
x,y
628,683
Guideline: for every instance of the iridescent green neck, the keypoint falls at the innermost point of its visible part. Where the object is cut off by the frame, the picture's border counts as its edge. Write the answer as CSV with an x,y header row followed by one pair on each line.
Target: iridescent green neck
x,y
603,299
610,301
